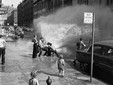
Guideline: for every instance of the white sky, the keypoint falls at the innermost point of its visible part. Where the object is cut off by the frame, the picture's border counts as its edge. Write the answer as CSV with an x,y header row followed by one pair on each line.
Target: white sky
x,y
10,2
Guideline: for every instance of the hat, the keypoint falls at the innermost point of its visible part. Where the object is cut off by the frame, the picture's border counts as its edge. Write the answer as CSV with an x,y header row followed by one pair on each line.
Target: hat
x,y
81,39
49,43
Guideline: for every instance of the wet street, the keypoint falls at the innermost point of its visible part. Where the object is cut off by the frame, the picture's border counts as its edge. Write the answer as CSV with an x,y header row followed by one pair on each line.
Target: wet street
x,y
19,64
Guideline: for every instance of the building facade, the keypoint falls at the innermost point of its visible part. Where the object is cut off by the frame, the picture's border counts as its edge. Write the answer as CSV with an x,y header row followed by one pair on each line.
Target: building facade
x,y
41,7
20,14
32,9
12,19
25,13
93,2
5,11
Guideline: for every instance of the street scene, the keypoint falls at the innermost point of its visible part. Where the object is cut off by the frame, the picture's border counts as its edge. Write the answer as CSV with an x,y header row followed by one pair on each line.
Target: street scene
x,y
19,64
56,42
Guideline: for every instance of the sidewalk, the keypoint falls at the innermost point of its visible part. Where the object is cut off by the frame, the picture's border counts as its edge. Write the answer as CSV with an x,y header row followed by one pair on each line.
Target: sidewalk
x,y
72,77
19,65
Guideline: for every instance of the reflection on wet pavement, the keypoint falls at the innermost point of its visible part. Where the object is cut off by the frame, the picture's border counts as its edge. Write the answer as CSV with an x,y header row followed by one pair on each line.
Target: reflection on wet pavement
x,y
19,64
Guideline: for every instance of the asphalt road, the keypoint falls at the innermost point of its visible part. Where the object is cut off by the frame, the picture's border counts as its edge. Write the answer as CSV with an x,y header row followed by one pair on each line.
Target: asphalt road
x,y
19,64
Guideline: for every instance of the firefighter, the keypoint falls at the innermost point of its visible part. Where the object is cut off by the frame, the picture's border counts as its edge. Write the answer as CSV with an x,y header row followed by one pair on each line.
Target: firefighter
x,y
50,50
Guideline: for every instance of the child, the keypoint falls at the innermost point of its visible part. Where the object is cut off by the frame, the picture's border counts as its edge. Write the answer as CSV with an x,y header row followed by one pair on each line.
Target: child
x,y
33,80
61,64
49,81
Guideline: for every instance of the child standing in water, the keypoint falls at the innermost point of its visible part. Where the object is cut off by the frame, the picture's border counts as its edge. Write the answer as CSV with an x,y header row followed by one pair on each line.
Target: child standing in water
x,y
61,64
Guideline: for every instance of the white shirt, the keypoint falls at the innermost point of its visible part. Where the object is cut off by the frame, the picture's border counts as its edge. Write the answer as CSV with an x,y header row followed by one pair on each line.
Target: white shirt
x,y
33,82
82,43
2,43
61,62
3,31
42,43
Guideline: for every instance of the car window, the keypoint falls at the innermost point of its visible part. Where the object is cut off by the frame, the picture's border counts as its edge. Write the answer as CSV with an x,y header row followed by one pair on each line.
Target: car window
x,y
105,50
97,49
109,52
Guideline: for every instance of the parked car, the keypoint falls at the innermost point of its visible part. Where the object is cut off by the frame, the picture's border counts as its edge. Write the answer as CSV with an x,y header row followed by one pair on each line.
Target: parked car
x,y
103,56
19,32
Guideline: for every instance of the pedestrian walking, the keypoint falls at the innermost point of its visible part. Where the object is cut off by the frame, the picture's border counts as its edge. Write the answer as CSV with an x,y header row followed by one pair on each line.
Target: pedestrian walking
x,y
61,64
49,81
2,49
80,45
33,80
35,46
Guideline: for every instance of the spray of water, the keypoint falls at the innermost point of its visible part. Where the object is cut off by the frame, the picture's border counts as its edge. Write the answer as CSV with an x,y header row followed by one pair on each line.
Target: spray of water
x,y
65,26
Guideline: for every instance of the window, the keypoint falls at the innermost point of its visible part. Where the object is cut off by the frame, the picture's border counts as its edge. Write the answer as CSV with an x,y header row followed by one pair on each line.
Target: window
x,y
86,2
97,49
109,52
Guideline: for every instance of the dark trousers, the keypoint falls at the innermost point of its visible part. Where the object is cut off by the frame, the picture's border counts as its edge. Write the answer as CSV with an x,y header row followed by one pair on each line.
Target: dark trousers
x,y
42,49
49,52
2,54
35,50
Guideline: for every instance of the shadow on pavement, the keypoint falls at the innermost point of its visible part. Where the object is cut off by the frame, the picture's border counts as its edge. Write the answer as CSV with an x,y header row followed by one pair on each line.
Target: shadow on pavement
x,y
27,56
97,73
48,73
2,68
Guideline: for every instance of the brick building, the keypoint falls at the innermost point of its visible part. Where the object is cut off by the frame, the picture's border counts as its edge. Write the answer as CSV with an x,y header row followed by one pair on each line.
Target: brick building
x,y
32,9
25,13
41,7
12,19
5,12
